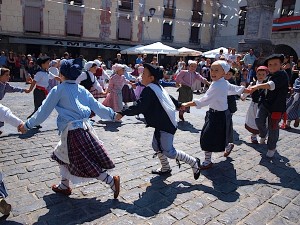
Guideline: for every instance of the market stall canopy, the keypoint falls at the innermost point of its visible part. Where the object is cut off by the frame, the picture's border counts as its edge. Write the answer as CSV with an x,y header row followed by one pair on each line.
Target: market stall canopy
x,y
131,50
157,48
187,52
214,52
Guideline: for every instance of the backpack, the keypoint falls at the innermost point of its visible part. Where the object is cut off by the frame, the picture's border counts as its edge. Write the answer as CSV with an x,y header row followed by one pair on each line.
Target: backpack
x,y
87,83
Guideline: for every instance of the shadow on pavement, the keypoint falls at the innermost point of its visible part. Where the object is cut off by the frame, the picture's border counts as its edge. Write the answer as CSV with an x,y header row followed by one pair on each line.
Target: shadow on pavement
x,y
279,166
3,220
187,126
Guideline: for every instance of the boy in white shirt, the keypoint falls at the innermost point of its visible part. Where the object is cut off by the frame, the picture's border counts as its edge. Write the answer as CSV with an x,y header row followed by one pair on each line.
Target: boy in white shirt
x,y
214,136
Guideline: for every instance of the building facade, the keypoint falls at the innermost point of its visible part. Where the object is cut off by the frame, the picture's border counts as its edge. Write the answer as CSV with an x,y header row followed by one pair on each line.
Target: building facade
x,y
285,29
104,27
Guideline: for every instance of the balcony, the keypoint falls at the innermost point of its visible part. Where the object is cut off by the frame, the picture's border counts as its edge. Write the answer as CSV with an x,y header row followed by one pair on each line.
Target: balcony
x,y
196,17
167,38
169,12
286,23
195,41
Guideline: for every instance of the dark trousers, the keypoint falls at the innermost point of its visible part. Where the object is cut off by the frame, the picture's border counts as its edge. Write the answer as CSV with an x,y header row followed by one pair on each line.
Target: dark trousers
x,y
38,98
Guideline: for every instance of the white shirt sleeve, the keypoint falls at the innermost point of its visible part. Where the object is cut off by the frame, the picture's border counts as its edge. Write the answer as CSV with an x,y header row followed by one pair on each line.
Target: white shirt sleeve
x,y
207,98
272,85
7,116
234,89
97,86
81,77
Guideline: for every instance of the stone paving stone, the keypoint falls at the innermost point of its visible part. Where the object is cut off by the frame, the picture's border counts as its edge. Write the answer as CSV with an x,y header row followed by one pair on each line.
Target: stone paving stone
x,y
279,201
204,216
246,188
291,213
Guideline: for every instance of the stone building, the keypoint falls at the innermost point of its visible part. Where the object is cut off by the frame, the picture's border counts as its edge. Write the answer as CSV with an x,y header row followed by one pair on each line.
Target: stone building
x,y
104,27
284,32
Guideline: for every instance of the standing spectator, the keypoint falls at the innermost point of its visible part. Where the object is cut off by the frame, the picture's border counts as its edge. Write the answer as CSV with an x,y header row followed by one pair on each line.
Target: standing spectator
x,y
250,57
119,59
139,59
286,66
23,66
217,57
11,63
3,59
154,61
145,58
232,57
66,55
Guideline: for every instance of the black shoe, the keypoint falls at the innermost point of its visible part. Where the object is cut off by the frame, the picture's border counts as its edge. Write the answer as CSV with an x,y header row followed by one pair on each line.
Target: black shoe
x,y
38,126
159,172
197,174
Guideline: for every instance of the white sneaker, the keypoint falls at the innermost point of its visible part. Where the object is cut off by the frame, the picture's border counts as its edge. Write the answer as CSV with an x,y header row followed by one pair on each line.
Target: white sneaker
x,y
271,153
262,141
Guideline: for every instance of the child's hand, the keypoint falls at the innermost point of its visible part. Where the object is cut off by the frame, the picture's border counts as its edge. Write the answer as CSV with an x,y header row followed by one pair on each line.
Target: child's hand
x,y
248,91
27,91
21,128
182,108
118,117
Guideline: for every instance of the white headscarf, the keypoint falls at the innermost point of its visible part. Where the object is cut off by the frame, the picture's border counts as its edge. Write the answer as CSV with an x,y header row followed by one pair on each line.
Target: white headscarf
x,y
192,62
88,65
97,61
224,64
117,67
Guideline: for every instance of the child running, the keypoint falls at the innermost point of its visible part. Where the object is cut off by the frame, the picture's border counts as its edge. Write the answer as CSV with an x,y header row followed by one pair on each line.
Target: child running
x,y
8,117
214,135
80,154
159,110
257,97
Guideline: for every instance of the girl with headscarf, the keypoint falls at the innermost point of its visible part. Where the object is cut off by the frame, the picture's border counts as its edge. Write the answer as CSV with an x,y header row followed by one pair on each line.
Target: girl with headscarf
x,y
54,65
215,132
114,98
80,154
186,78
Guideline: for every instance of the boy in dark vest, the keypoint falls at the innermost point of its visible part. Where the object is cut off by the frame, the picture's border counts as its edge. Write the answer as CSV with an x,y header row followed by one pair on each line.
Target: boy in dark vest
x,y
273,106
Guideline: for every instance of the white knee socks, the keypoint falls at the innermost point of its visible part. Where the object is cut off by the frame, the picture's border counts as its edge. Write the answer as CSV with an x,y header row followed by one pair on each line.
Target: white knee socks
x,y
108,179
182,156
165,166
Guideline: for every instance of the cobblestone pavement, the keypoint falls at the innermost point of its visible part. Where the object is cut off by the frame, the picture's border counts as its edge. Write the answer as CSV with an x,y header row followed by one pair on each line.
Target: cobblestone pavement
x,y
245,188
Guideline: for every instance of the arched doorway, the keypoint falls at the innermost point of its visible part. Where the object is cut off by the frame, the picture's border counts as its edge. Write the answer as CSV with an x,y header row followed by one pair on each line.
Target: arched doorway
x,y
286,50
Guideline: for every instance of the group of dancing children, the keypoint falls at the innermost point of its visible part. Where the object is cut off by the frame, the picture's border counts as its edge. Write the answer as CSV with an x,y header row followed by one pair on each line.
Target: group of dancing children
x,y
81,155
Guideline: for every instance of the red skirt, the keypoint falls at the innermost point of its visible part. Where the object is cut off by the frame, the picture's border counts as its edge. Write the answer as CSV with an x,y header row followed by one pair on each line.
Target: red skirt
x,y
87,156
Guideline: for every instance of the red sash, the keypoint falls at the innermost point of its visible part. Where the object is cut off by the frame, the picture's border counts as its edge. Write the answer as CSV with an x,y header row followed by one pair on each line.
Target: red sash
x,y
42,89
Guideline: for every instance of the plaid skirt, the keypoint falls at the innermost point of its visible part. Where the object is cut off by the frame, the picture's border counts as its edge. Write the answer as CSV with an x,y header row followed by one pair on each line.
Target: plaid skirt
x,y
87,156
128,94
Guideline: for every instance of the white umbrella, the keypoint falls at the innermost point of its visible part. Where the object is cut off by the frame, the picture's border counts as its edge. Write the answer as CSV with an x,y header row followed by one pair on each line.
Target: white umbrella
x,y
157,48
187,52
214,52
131,50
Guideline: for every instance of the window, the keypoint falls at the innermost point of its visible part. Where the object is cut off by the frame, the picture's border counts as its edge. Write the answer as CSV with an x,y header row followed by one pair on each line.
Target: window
x,y
242,20
288,8
74,23
169,11
32,19
124,28
167,32
126,4
75,2
195,35
197,12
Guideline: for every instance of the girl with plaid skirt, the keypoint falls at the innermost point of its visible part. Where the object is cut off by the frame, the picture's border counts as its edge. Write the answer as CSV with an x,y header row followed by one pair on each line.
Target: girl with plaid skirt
x,y
80,154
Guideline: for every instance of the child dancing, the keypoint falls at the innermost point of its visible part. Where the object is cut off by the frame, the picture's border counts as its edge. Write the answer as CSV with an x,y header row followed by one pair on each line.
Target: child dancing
x,y
80,154
159,111
214,135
